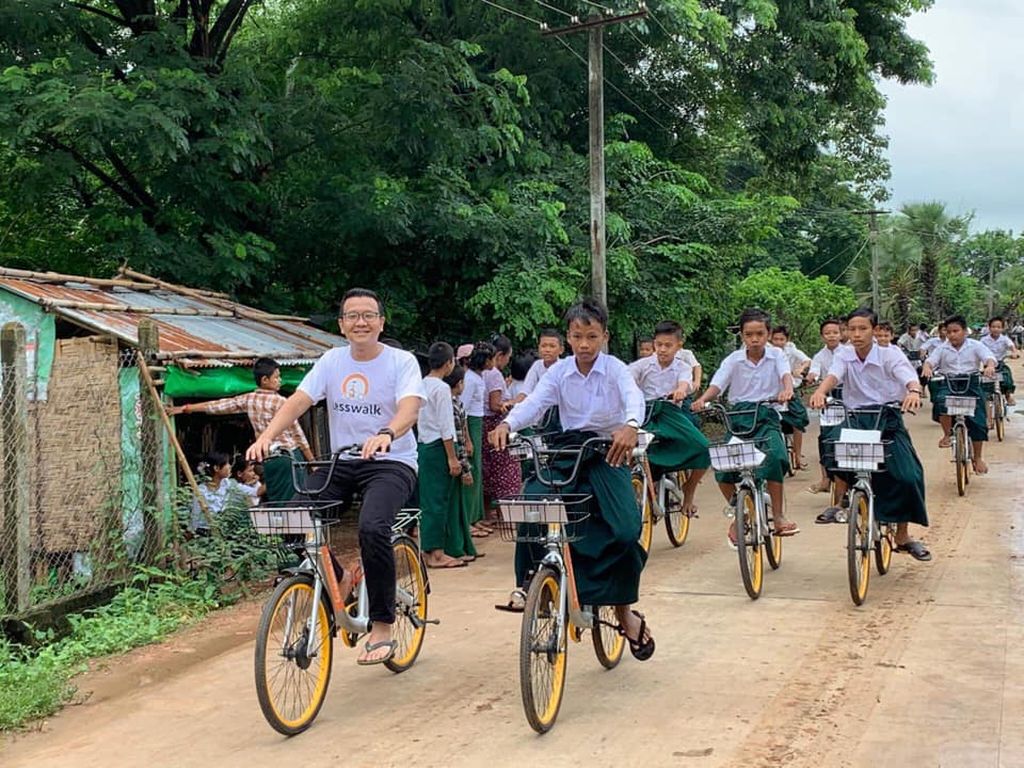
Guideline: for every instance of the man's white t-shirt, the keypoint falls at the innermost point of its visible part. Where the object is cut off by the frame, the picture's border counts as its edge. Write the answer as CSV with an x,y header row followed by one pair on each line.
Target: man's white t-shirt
x,y
362,397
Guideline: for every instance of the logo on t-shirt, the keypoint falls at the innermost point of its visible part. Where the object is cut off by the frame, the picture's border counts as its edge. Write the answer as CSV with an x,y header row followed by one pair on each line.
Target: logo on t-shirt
x,y
355,387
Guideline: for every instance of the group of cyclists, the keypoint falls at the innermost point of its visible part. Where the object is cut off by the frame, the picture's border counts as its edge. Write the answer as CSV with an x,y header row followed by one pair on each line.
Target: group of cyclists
x,y
373,392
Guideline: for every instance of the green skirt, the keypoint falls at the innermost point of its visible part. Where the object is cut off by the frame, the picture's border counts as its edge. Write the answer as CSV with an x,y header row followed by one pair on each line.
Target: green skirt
x,y
444,523
899,490
476,491
277,475
977,425
764,429
678,443
608,559
1007,383
795,416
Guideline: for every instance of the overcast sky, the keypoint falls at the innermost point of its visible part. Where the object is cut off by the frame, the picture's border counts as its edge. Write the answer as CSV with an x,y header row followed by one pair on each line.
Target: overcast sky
x,y
960,140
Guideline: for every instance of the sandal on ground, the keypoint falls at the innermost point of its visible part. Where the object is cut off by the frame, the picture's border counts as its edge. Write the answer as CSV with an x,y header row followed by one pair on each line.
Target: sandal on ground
x,y
788,528
916,550
641,651
516,602
369,647
828,516
452,564
945,442
816,489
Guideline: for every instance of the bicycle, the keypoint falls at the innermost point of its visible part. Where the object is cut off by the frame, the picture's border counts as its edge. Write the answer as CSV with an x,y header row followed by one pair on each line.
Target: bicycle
x,y
751,506
553,612
996,405
864,533
959,405
294,638
658,500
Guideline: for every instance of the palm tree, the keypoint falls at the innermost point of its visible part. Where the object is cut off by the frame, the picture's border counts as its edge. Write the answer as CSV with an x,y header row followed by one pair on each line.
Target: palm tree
x,y
935,230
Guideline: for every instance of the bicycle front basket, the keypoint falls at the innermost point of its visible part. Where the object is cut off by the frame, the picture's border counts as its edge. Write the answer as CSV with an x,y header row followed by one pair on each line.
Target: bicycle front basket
x,y
859,456
281,518
957,405
735,456
525,518
832,415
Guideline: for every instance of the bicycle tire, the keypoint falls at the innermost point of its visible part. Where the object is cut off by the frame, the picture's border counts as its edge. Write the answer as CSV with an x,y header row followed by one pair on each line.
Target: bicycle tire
x,y
883,551
858,547
539,646
748,545
646,514
773,548
677,522
300,590
608,643
791,452
999,417
960,457
410,620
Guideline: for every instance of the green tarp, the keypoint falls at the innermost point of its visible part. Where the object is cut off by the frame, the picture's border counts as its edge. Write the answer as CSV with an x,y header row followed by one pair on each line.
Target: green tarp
x,y
40,335
210,383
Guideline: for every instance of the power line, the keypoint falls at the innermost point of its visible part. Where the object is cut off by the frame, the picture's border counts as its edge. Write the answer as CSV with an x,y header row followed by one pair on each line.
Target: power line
x,y
625,68
621,93
597,5
853,261
556,9
663,28
511,12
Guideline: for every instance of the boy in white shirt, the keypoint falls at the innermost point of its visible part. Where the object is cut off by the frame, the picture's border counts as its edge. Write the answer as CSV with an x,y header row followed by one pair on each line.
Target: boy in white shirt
x,y
679,445
820,365
596,396
873,376
960,356
758,372
1002,347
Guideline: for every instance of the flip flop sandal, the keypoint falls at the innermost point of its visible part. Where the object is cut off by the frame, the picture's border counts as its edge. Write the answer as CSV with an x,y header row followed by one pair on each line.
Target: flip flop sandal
x,y
816,489
916,550
516,602
791,530
453,564
828,516
369,647
640,651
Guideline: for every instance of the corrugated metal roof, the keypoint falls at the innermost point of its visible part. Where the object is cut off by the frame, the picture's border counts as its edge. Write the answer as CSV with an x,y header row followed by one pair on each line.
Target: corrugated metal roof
x,y
191,325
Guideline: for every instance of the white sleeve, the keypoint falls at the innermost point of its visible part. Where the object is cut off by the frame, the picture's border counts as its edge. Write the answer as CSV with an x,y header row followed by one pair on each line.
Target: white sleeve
x,y
801,356
529,411
934,356
532,377
838,368
691,358
723,376
985,354
314,383
443,396
782,366
409,382
903,371
816,367
636,370
632,396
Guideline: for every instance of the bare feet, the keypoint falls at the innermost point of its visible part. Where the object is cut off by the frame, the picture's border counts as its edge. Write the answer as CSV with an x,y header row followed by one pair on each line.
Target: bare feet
x,y
436,558
980,467
944,442
818,488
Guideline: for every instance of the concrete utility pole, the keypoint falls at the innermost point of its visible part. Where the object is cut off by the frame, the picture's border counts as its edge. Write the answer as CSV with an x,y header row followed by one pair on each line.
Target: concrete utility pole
x,y
876,297
594,26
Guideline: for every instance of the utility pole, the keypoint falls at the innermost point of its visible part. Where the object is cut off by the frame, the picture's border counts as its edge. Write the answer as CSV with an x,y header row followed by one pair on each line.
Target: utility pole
x,y
594,26
876,298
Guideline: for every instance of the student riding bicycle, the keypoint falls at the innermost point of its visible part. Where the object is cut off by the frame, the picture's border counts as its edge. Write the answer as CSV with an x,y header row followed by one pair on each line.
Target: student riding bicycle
x,y
596,396
373,393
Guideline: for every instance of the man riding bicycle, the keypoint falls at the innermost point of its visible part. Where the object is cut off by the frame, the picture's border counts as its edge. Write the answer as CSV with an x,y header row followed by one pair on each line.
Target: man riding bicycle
x,y
373,393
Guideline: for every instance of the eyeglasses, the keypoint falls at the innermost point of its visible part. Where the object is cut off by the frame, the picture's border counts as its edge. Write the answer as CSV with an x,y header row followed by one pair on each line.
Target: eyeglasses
x,y
351,317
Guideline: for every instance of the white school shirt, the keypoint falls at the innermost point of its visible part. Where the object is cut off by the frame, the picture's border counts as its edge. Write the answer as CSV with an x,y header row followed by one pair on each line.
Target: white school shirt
x,y
362,396
689,361
749,382
911,343
931,343
970,358
534,375
601,402
436,419
796,357
473,394
1000,347
822,361
881,377
655,381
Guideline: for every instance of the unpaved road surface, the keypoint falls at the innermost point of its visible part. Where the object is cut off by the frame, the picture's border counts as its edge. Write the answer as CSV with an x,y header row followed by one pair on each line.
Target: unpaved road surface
x,y
929,672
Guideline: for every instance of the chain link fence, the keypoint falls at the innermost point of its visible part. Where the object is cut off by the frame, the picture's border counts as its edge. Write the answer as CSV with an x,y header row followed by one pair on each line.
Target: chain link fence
x,y
87,479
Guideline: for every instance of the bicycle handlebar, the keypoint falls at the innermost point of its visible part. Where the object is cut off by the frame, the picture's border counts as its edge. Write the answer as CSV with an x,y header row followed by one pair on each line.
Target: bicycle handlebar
x,y
592,444
353,451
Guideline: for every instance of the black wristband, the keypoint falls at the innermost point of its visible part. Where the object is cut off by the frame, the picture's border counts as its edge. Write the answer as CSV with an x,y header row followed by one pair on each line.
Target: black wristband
x,y
389,432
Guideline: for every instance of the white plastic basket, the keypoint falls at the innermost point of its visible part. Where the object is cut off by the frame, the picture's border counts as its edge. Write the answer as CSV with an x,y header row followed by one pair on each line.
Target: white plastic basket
x,y
643,442
533,511
957,405
832,415
278,522
735,456
863,456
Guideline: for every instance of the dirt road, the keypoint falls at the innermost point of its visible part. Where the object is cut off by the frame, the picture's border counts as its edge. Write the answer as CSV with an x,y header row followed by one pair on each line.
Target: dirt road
x,y
929,672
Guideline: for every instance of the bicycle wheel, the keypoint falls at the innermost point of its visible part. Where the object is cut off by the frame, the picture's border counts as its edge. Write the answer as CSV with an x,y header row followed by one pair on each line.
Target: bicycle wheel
x,y
677,522
960,457
291,682
748,545
542,653
883,550
773,548
858,547
608,643
411,604
999,416
791,472
646,513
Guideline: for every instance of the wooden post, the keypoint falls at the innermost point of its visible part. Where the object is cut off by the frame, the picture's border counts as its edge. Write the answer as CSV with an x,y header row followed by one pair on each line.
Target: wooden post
x,y
598,274
149,448
15,552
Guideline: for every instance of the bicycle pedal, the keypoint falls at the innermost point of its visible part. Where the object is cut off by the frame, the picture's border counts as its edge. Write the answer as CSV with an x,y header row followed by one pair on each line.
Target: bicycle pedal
x,y
420,623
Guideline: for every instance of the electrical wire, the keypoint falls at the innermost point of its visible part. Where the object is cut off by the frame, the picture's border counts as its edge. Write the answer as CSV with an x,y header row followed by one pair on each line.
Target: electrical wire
x,y
511,12
555,9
